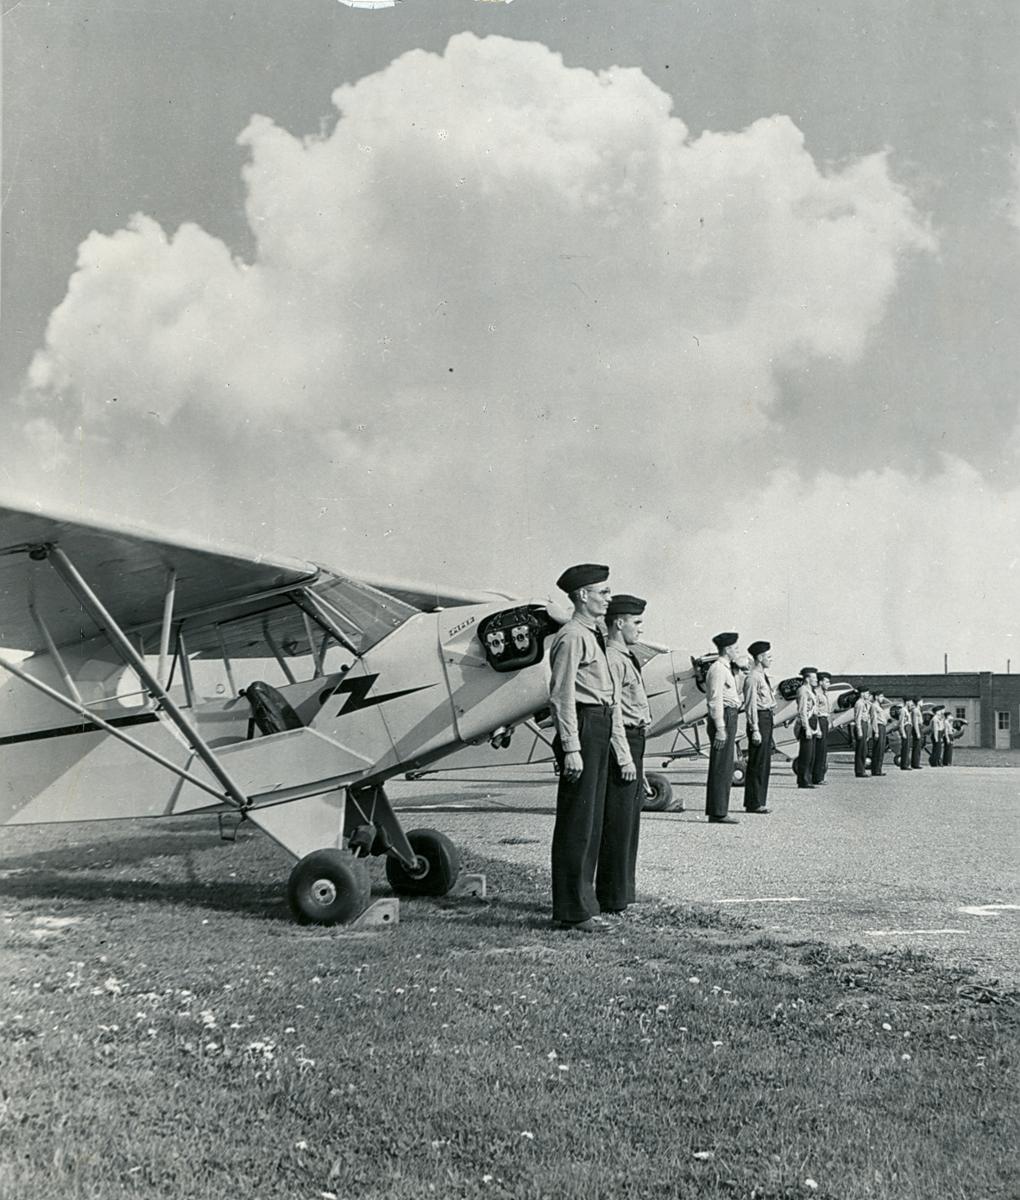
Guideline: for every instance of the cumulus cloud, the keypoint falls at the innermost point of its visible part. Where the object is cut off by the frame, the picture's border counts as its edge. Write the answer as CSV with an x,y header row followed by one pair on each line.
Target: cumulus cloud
x,y
879,572
501,314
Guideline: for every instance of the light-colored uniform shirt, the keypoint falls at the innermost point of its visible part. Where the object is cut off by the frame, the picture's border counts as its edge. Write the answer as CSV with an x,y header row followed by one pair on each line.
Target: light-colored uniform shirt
x,y
949,729
807,707
904,720
938,725
879,715
721,691
824,703
862,717
633,698
916,719
758,695
581,675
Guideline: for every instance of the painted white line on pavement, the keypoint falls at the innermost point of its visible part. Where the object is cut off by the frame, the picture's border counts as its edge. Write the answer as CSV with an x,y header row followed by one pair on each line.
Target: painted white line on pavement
x,y
985,910
899,932
762,900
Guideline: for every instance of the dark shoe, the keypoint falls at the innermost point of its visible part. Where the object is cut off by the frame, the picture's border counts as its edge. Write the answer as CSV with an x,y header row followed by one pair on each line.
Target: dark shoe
x,y
589,926
723,821
805,785
761,811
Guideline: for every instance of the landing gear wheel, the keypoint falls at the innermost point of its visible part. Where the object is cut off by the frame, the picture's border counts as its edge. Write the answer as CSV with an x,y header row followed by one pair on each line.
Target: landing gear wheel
x,y
658,793
438,866
328,887
740,772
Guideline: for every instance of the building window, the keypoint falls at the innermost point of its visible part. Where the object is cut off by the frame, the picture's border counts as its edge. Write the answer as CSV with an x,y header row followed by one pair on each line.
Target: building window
x,y
1003,719
961,713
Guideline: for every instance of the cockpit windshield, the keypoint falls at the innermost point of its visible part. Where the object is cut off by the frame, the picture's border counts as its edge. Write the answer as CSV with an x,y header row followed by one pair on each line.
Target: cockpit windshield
x,y
363,614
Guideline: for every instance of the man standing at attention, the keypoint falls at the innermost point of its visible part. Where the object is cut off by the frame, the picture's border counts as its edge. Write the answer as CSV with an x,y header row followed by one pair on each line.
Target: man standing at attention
x,y
862,732
586,711
759,707
807,726
903,724
615,880
938,730
821,763
917,733
947,744
723,702
879,718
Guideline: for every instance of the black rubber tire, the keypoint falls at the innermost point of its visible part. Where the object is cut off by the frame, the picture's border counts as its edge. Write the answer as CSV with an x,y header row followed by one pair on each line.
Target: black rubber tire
x,y
661,793
440,860
740,772
328,887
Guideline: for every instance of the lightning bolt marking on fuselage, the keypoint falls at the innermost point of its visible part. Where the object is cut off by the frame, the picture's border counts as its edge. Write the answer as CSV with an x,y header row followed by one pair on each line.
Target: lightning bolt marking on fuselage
x,y
357,697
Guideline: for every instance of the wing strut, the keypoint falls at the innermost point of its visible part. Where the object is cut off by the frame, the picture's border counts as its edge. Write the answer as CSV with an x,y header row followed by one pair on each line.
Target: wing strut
x,y
94,607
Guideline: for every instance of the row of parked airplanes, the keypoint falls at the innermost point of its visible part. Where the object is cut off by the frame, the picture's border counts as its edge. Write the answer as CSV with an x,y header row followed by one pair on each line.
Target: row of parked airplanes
x,y
165,677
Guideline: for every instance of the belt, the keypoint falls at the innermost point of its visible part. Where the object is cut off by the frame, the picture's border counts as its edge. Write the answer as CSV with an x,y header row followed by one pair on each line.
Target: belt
x,y
604,705
639,725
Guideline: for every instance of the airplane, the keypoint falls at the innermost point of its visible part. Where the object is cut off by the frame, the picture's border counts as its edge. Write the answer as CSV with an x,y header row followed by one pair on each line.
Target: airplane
x,y
208,679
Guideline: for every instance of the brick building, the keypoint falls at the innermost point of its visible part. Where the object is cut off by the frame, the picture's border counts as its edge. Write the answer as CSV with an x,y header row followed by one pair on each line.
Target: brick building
x,y
990,703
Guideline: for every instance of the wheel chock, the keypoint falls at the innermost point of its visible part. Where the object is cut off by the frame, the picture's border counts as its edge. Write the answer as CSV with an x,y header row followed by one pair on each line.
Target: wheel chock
x,y
380,914
469,885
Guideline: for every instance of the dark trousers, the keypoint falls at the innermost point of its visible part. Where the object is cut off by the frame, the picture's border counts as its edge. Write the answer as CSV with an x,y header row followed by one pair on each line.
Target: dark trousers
x,y
821,763
617,865
905,751
806,759
580,805
860,754
720,766
935,759
878,751
759,764
915,751
947,754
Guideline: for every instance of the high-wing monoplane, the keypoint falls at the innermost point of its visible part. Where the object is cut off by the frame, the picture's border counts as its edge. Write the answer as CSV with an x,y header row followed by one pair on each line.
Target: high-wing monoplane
x,y
169,677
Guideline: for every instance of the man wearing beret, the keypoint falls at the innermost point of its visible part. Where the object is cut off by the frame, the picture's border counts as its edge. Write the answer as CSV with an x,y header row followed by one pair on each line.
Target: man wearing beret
x,y
585,705
862,733
821,761
938,728
917,733
615,879
759,707
723,702
879,720
903,726
807,726
947,744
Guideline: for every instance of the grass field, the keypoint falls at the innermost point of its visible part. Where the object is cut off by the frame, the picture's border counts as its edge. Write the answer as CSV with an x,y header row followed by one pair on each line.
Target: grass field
x,y
166,1031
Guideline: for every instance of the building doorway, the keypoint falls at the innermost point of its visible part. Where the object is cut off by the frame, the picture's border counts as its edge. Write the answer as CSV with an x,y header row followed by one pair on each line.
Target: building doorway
x,y
1002,729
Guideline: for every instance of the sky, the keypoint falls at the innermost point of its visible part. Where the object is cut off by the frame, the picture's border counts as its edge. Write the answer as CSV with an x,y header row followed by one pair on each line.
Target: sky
x,y
723,295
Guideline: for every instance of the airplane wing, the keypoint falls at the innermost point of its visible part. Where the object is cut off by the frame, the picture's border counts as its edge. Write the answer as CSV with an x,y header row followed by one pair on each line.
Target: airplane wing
x,y
129,567
429,597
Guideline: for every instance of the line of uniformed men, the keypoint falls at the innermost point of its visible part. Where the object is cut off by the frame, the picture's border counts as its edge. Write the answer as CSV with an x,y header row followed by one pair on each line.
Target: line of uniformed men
x,y
600,711
871,720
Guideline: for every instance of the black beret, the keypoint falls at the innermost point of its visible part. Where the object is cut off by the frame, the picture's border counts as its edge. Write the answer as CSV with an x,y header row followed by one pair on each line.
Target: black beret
x,y
583,575
725,639
623,605
808,671
824,675
757,648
